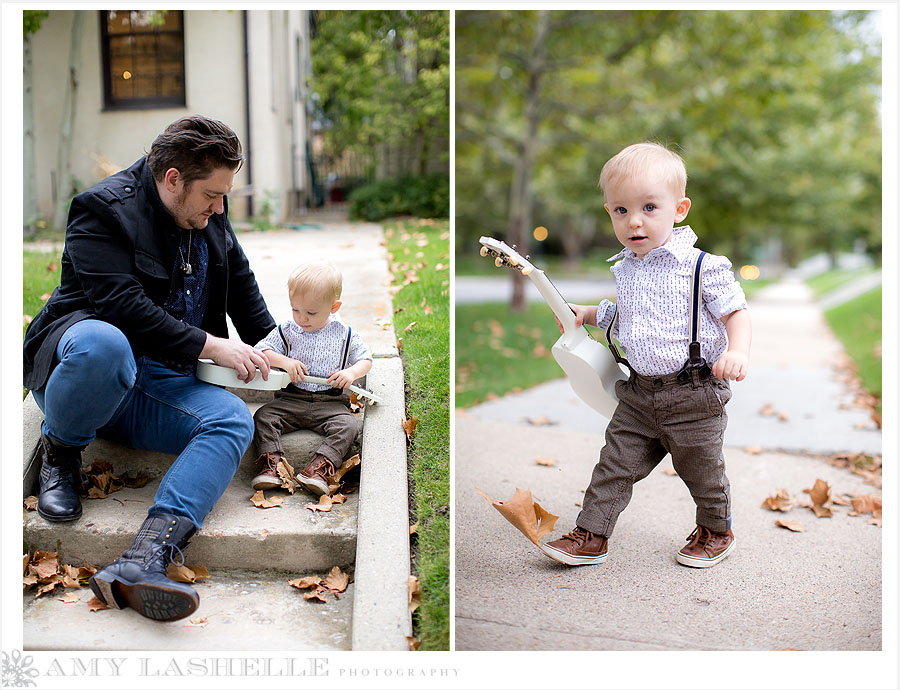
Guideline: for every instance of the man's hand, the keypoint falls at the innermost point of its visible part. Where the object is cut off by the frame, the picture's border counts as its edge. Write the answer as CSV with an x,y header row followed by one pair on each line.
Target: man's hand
x,y
236,355
731,365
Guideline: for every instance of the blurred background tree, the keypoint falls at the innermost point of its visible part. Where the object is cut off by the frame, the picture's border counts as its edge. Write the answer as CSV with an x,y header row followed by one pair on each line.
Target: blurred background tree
x,y
776,113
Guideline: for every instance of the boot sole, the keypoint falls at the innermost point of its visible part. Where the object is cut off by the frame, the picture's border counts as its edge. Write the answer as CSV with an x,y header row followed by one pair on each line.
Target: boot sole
x,y
570,559
692,562
259,484
158,603
59,518
315,486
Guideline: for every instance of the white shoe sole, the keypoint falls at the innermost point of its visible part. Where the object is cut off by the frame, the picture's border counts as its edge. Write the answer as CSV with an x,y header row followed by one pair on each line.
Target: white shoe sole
x,y
263,482
569,559
315,486
692,562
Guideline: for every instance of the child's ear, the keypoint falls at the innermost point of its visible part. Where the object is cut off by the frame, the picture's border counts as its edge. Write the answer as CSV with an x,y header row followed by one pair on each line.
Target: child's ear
x,y
682,208
335,306
606,206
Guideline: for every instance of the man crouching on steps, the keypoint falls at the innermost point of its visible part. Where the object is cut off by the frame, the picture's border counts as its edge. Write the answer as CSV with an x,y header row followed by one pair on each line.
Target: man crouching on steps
x,y
150,267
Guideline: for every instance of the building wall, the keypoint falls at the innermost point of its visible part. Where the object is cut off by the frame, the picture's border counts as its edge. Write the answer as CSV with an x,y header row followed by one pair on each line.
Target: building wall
x,y
104,142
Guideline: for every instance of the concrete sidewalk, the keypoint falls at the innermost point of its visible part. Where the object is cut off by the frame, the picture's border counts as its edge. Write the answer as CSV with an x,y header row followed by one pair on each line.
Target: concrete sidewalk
x,y
779,590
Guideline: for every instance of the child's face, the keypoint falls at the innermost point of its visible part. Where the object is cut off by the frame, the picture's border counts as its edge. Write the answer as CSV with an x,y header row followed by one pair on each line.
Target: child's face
x,y
644,211
311,312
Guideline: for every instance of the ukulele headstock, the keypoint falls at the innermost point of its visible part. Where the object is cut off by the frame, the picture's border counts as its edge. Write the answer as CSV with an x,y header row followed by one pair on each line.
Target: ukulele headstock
x,y
504,255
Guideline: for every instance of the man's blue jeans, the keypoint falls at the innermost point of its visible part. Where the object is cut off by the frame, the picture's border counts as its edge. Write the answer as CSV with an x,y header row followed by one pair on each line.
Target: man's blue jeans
x,y
97,388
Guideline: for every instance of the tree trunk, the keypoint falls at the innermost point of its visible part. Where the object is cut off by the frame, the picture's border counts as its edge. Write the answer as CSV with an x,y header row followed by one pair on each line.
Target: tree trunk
x,y
521,196
30,209
64,151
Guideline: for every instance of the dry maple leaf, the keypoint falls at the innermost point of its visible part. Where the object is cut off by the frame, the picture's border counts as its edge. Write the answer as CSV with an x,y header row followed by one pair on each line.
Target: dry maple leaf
x,y
868,503
409,426
819,494
260,501
780,501
540,421
186,573
324,504
335,479
196,623
30,503
670,471
752,450
410,326
792,526
44,564
767,410
285,473
564,587
413,528
415,592
338,498
305,582
319,594
413,643
525,515
94,604
70,598
337,580
545,462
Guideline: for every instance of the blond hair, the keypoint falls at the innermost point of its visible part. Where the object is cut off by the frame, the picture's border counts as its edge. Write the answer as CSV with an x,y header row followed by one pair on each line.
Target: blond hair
x,y
639,159
317,278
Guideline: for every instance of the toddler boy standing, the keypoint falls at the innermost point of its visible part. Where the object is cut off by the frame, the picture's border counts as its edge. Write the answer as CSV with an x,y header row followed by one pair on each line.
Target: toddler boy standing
x,y
313,343
669,404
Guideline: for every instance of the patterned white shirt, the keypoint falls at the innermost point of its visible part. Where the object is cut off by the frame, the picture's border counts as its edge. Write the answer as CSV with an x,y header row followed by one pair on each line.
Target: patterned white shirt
x,y
319,350
653,296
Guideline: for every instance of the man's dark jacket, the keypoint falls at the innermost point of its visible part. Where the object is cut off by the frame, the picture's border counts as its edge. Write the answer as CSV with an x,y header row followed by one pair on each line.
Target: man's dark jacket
x,y
118,266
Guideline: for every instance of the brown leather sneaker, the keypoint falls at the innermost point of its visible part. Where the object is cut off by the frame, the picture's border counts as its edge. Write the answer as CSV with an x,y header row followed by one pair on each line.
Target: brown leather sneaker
x,y
314,477
706,548
268,476
578,547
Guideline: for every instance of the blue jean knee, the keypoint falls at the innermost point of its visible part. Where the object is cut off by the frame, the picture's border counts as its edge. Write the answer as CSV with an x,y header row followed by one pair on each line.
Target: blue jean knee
x,y
93,362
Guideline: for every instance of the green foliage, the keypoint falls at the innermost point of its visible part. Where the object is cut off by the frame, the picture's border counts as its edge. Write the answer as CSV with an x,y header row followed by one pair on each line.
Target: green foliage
x,y
382,77
857,324
31,20
425,197
426,364
776,114
823,283
40,276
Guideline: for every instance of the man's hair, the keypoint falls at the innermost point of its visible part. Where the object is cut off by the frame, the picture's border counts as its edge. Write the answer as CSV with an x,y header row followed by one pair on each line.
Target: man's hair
x,y
639,159
196,146
316,278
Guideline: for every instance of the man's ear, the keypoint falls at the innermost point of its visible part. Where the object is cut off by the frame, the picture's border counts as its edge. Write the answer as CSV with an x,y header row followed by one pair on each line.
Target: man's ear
x,y
172,179
336,306
682,208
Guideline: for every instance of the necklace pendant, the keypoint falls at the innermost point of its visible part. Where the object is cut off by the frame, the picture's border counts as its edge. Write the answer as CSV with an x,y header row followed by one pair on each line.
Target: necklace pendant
x,y
187,269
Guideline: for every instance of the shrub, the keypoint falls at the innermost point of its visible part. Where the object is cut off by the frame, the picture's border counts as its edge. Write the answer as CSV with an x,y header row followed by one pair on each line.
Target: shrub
x,y
423,197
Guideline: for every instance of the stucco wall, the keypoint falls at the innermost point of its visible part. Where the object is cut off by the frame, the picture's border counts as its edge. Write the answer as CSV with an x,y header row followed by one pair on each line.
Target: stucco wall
x,y
107,141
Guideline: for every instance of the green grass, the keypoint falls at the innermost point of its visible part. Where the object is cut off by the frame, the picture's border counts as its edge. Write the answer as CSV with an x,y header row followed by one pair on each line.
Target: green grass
x,y
40,275
421,249
823,283
857,324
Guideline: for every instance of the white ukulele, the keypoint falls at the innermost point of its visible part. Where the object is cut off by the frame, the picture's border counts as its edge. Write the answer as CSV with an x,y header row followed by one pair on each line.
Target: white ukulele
x,y
225,376
592,369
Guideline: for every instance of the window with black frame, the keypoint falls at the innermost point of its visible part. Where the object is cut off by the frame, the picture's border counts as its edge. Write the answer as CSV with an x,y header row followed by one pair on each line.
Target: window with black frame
x,y
143,58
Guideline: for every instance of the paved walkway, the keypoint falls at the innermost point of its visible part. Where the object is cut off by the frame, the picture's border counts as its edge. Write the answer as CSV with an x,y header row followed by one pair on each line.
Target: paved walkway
x,y
779,590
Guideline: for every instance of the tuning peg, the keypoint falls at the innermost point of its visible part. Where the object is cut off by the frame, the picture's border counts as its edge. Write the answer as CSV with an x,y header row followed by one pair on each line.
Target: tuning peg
x,y
526,270
513,261
498,261
483,251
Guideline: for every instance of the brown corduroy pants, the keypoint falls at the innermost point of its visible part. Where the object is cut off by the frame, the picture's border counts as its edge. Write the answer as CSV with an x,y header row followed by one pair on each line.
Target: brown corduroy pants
x,y
321,412
660,415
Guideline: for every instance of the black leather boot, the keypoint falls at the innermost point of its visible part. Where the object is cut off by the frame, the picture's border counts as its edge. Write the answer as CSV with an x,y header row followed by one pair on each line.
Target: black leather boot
x,y
62,481
138,579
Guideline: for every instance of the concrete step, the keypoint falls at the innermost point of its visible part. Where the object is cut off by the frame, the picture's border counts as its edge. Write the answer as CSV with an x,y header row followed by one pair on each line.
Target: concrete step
x,y
236,534
244,610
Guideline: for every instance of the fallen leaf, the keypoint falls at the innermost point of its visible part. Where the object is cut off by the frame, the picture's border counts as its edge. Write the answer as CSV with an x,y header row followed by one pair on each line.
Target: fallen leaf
x,y
868,503
780,501
285,473
564,587
26,319
670,471
415,592
413,643
52,267
306,582
752,450
545,462
94,604
428,310
70,598
539,421
196,623
410,326
31,503
793,526
346,466
186,573
260,501
767,410
409,426
337,580
874,521
782,416
319,594
840,501
525,515
338,498
324,504
413,528
44,564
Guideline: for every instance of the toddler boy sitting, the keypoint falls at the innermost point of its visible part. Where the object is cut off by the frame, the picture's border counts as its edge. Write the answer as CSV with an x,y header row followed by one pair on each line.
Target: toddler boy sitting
x,y
313,343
